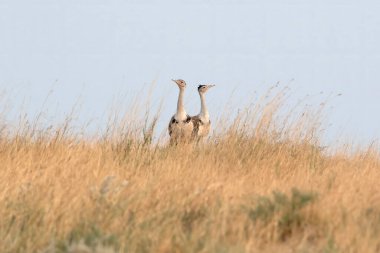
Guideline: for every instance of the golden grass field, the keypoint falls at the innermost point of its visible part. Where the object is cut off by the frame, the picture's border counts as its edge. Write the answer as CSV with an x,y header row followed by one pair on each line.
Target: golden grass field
x,y
260,183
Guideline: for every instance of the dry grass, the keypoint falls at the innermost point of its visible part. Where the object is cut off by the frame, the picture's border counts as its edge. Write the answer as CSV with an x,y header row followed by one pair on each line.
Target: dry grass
x,y
259,184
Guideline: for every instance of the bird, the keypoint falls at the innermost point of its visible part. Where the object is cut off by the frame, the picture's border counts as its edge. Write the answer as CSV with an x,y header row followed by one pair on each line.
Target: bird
x,y
180,126
201,122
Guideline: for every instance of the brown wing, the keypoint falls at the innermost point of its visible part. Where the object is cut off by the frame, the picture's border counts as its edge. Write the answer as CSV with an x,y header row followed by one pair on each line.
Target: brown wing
x,y
200,127
196,122
172,122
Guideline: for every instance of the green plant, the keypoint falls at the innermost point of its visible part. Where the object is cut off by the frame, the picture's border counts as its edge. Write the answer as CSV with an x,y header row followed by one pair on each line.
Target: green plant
x,y
284,210
89,238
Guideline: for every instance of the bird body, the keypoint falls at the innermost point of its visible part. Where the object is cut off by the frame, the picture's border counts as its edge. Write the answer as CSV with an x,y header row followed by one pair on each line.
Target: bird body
x,y
180,126
201,127
180,130
201,122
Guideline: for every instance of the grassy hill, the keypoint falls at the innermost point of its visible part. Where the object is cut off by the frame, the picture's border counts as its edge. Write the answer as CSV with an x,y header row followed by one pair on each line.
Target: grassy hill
x,y
260,183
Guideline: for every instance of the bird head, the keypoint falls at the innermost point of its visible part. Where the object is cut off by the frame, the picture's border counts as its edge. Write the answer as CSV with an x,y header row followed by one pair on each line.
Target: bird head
x,y
204,88
181,83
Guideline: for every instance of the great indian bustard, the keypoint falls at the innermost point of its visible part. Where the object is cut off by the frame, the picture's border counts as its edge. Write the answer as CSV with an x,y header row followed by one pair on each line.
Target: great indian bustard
x,y
180,126
201,122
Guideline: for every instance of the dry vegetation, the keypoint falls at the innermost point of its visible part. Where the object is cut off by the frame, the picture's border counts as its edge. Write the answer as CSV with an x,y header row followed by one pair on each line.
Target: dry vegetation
x,y
261,183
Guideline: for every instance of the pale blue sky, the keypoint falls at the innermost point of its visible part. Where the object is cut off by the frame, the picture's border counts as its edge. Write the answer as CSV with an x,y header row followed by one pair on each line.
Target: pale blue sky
x,y
99,49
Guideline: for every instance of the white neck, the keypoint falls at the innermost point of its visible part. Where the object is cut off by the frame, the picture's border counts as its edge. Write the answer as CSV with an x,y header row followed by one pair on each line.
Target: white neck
x,y
181,113
204,112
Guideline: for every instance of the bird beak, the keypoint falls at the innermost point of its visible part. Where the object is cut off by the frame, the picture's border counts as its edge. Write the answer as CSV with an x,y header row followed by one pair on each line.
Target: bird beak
x,y
212,85
174,80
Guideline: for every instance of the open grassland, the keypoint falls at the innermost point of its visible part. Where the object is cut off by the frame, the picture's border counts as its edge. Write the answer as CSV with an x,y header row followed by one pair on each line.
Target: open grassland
x,y
259,184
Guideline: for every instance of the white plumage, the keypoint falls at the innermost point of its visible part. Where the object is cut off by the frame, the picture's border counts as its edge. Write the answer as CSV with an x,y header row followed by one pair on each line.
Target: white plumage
x,y
180,126
201,122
